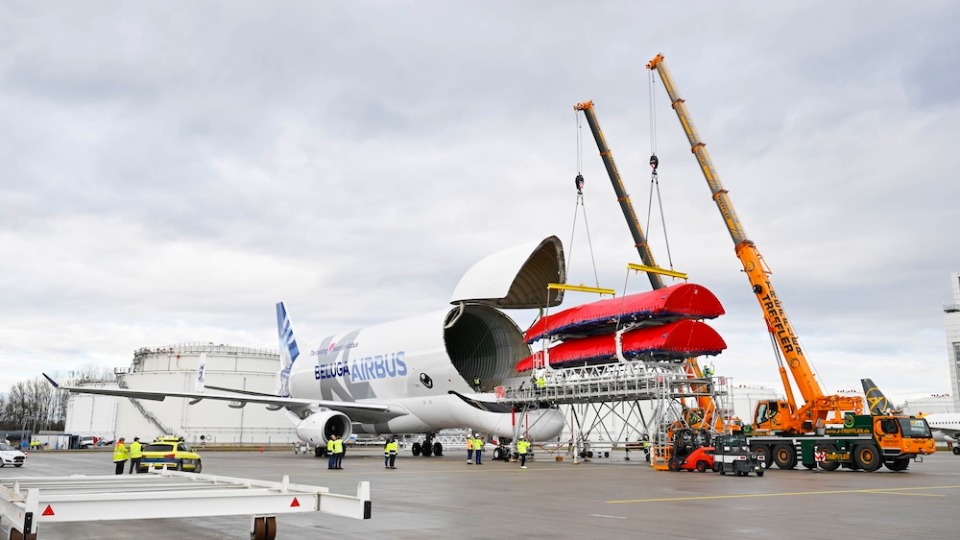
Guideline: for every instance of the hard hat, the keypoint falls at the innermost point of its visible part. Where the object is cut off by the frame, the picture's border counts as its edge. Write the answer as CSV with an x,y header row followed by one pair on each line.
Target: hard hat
x,y
521,437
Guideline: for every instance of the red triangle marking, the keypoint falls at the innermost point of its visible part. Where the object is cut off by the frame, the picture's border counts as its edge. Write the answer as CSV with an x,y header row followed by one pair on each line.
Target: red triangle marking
x,y
48,511
295,503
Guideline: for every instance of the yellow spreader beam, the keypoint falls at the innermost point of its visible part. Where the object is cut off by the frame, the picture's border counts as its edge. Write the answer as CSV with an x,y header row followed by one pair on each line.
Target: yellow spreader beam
x,y
580,288
656,270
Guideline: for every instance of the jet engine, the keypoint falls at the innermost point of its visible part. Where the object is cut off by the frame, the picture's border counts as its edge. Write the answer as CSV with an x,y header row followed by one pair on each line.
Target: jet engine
x,y
317,428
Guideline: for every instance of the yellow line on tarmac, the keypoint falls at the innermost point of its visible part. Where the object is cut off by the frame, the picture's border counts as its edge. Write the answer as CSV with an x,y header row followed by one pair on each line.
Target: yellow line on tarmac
x,y
887,491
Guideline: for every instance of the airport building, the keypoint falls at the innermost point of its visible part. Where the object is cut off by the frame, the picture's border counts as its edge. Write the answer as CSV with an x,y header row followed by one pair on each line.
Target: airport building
x,y
174,368
951,315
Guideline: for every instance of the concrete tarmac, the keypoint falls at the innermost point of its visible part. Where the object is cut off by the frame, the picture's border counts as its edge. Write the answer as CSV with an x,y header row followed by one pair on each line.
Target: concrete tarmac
x,y
427,498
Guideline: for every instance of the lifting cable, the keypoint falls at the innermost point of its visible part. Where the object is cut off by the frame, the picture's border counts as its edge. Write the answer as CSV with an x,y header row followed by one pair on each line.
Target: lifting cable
x,y
654,163
579,182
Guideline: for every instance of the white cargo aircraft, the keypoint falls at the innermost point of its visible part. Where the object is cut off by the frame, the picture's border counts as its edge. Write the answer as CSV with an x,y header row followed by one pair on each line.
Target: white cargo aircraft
x,y
413,375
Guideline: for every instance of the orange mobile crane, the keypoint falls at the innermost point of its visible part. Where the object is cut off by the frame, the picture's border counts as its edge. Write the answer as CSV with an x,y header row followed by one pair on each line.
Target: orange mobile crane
x,y
779,425
706,414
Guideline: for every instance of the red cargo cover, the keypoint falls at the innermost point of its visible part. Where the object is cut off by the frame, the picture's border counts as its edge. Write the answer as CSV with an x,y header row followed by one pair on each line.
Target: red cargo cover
x,y
671,341
681,301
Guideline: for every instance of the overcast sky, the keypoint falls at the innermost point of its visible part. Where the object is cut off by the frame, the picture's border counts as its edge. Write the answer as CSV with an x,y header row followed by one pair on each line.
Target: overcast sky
x,y
170,170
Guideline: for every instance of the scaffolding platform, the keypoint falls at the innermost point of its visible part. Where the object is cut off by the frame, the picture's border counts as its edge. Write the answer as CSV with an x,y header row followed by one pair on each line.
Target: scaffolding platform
x,y
597,396
635,381
28,502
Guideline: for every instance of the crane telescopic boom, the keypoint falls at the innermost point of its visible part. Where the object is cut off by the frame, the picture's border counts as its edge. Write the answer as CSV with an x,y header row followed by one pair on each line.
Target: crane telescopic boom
x,y
706,415
643,248
817,406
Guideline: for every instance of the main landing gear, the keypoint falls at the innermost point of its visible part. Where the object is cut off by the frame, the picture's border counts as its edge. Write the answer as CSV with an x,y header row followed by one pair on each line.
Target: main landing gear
x,y
428,447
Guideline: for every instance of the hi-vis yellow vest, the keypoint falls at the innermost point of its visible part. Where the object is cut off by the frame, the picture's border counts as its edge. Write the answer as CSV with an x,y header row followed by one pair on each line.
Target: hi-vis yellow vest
x,y
120,452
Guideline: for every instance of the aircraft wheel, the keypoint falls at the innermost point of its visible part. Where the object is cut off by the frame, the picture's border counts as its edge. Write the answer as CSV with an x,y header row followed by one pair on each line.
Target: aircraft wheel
x,y
426,450
415,448
437,449
866,457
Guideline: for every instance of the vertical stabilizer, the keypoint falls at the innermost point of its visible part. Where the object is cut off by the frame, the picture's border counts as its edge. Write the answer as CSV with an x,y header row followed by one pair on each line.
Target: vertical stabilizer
x,y
288,350
875,399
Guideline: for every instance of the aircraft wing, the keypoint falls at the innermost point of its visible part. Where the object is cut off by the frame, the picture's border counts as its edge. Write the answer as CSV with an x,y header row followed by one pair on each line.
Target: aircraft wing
x,y
358,412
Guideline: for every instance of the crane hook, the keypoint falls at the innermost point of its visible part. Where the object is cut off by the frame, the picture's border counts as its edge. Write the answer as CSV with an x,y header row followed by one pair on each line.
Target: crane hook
x,y
654,162
579,183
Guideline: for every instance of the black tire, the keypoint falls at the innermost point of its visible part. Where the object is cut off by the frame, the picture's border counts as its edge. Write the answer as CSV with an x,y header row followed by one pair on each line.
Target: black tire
x,y
426,450
437,449
673,464
867,457
717,467
897,464
956,450
179,466
785,456
18,465
199,467
415,448
765,455
829,465
497,453
759,472
701,466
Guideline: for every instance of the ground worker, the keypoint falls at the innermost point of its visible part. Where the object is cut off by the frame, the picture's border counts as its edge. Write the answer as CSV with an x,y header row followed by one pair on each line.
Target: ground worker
x,y
393,447
120,455
478,449
646,447
331,458
522,446
136,452
338,453
470,449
